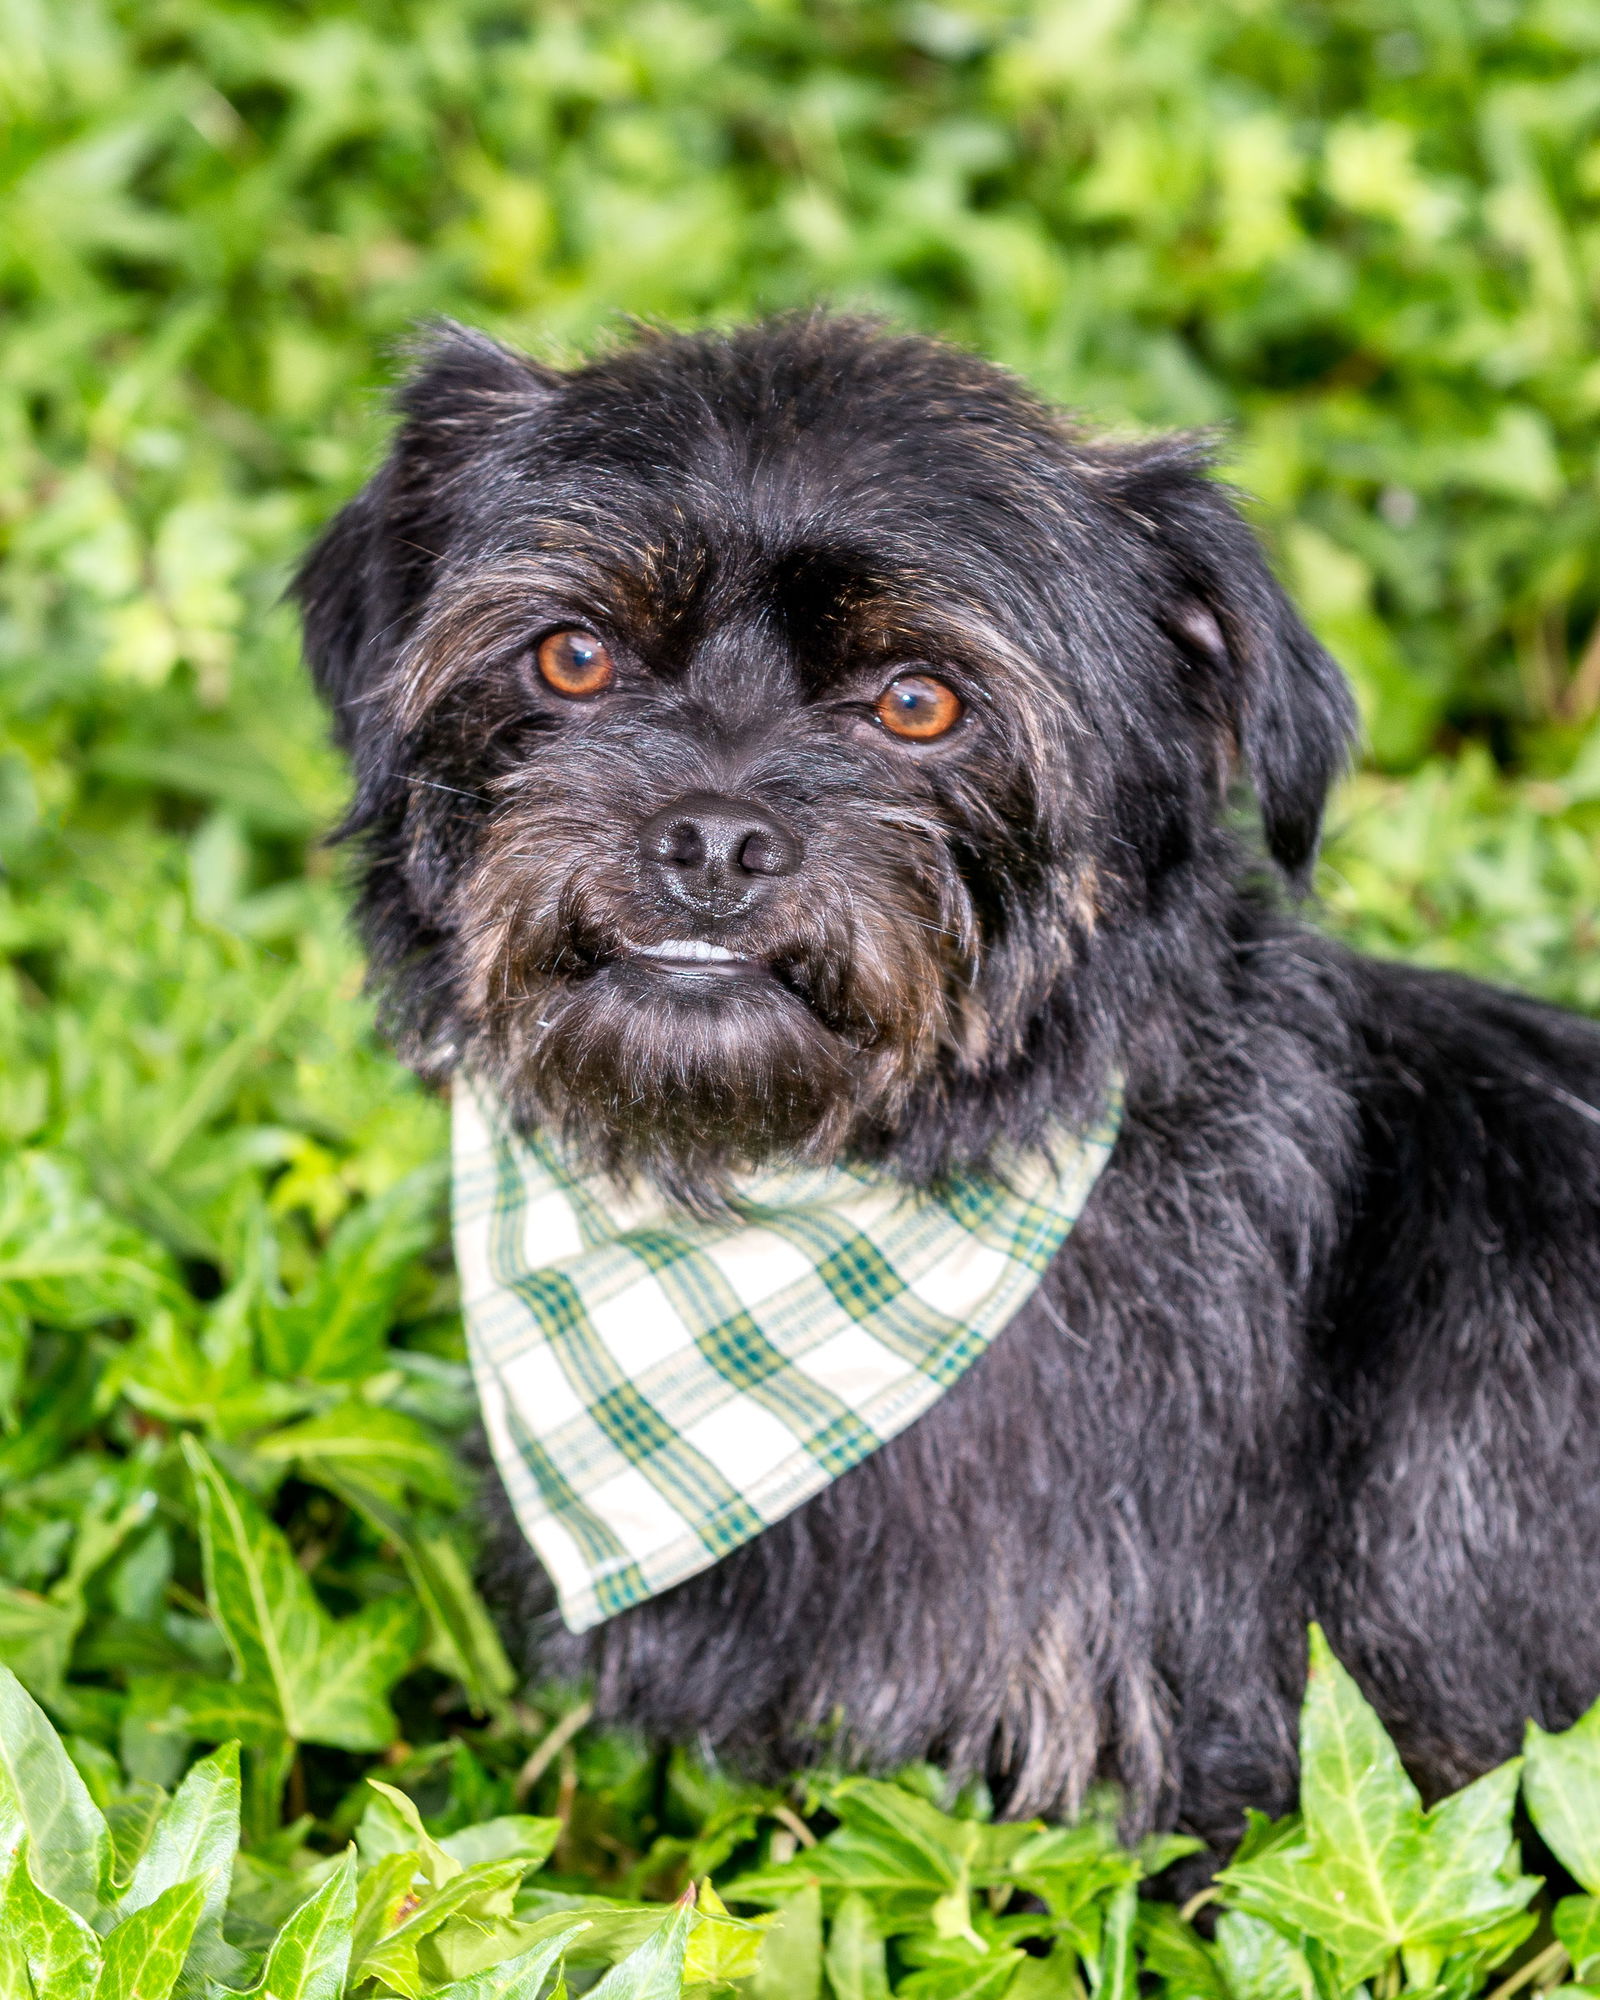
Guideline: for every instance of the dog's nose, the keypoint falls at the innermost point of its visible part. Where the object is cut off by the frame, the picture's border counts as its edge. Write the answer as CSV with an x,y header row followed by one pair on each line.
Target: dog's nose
x,y
716,854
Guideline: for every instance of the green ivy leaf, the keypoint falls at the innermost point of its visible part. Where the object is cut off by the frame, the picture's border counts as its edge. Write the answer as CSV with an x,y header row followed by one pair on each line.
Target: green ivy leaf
x,y
334,1330
146,1952
1577,1925
46,1802
1561,1783
1372,1873
36,1636
60,1951
519,1978
311,1955
1186,1966
392,1824
1259,1963
855,1956
328,1678
722,1950
790,1964
463,1641
519,1836
460,1926
389,1451
384,1894
655,1970
892,1847
1116,1977
197,1835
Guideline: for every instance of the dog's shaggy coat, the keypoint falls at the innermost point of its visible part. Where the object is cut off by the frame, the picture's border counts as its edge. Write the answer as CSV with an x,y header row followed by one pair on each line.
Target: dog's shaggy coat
x,y
1326,1341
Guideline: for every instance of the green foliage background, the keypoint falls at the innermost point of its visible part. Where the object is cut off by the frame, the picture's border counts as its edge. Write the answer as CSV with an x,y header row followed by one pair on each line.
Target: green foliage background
x,y
1360,236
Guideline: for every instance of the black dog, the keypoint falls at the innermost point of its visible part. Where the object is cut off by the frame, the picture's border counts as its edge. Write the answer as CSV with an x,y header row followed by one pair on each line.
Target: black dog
x,y
995,755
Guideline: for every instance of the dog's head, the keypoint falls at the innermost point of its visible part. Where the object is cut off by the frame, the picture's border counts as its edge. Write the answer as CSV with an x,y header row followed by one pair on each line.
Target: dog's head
x,y
762,740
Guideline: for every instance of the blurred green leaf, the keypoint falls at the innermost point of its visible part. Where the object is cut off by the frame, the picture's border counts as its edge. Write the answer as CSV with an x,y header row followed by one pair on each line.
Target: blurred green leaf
x,y
1561,1781
655,1970
855,1956
328,1679
1576,1922
45,1802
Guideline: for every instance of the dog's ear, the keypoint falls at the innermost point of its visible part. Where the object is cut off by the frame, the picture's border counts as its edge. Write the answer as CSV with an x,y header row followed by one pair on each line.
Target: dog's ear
x,y
1261,676
363,581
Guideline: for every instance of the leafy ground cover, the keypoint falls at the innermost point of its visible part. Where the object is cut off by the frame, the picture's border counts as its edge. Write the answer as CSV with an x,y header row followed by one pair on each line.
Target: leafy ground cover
x,y
1365,239
116,1891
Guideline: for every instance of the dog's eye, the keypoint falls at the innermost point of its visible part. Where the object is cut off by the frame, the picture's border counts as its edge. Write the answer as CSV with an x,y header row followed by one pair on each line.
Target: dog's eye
x,y
575,664
918,708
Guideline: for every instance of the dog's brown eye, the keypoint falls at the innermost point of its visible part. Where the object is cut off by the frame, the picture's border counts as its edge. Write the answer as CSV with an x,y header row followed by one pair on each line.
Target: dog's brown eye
x,y
919,708
575,664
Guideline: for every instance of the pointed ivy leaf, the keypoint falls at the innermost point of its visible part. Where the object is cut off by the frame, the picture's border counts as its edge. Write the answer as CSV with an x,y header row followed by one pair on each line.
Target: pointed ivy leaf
x,y
61,1952
1561,1782
385,1896
257,1592
1071,1869
133,1817
855,1955
45,1801
956,1969
477,1901
146,1952
1054,1978
393,1817
329,1678
920,1844
891,1847
389,1450
512,1836
1267,1836
334,1330
1259,1963
463,1641
1577,1925
311,1955
195,1709
36,1638
1186,1966
655,1970
519,1978
1117,1977
197,1835
790,1964
1372,1873
722,1950
344,1700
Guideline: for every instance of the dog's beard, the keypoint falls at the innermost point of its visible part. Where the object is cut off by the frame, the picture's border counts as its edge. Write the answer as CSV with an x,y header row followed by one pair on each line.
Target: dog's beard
x,y
854,984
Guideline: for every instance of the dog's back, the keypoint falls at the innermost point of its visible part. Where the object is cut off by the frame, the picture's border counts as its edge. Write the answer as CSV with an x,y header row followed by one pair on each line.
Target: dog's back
x,y
1462,1570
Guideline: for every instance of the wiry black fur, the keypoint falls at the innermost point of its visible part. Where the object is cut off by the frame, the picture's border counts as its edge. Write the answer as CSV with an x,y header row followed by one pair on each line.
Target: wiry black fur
x,y
1325,1341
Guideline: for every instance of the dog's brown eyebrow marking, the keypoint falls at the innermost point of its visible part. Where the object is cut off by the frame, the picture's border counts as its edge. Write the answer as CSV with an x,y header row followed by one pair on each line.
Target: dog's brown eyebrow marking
x,y
480,612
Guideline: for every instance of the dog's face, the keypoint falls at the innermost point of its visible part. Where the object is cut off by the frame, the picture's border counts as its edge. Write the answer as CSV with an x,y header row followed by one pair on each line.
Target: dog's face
x,y
775,743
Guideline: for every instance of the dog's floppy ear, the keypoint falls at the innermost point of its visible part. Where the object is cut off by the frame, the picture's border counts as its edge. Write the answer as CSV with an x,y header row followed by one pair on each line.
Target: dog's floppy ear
x,y
1267,681
364,579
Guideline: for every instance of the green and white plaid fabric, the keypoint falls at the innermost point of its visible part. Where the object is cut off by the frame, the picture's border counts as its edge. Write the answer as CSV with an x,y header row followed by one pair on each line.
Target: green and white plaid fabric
x,y
658,1389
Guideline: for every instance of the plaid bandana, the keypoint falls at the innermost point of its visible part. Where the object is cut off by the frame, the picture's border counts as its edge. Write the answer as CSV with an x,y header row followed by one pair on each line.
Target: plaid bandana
x,y
658,1389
